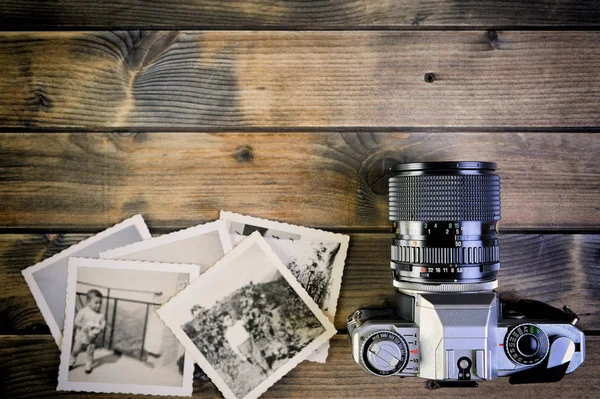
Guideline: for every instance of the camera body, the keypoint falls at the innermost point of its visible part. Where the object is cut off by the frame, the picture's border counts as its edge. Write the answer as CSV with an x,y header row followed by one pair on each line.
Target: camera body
x,y
461,339
447,324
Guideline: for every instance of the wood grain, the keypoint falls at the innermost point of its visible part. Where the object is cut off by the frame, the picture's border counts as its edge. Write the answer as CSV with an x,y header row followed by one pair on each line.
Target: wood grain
x,y
321,14
277,79
29,369
74,182
559,269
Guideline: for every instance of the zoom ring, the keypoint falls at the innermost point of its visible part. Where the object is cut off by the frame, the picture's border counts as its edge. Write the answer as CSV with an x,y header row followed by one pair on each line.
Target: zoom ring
x,y
463,255
444,197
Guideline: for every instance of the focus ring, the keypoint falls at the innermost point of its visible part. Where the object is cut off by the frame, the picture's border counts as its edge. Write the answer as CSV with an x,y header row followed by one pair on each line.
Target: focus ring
x,y
472,197
463,255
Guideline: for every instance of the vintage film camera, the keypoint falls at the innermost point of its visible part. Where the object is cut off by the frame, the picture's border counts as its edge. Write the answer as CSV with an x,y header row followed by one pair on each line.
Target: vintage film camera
x,y
448,325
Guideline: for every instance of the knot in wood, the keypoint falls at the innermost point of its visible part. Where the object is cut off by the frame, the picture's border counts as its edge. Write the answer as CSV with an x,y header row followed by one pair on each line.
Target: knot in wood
x,y
41,99
143,48
244,154
492,38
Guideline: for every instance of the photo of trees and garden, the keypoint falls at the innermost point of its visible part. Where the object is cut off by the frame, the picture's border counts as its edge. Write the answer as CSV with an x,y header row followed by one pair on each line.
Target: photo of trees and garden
x,y
251,332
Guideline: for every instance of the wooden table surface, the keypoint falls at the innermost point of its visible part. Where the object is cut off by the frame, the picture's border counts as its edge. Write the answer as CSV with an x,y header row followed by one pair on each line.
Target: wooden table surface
x,y
292,111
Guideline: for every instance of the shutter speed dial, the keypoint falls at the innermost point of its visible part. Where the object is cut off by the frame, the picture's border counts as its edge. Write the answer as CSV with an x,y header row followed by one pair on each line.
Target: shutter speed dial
x,y
526,344
385,353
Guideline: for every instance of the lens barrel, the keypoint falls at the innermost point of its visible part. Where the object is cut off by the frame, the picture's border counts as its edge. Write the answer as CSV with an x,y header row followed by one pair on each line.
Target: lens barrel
x,y
444,216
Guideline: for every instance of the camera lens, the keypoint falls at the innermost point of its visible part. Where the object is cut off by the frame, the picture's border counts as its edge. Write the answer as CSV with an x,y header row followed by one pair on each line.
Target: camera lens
x,y
444,216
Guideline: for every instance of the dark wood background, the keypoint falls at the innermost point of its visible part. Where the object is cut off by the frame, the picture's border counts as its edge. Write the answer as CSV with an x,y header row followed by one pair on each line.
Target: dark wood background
x,y
292,111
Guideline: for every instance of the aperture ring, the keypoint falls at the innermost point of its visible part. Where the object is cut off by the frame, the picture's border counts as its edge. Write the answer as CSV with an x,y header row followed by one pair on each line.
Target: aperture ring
x,y
459,255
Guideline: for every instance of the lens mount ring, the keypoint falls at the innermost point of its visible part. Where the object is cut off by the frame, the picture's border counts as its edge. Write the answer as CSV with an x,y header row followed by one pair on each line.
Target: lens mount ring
x,y
445,273
446,287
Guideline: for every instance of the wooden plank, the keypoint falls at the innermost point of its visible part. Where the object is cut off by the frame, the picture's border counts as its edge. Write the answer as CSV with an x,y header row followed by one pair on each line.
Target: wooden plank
x,y
89,182
559,269
29,369
203,79
322,14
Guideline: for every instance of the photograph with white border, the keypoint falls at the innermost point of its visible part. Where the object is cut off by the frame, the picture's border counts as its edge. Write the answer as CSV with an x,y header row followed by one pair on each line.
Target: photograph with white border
x,y
47,279
113,339
315,257
201,245
247,321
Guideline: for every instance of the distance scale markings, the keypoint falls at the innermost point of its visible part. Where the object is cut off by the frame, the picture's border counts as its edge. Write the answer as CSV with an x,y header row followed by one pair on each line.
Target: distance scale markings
x,y
452,234
430,228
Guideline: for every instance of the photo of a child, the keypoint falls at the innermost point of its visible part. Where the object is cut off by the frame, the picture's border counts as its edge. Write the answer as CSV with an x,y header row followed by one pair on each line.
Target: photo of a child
x,y
114,340
88,324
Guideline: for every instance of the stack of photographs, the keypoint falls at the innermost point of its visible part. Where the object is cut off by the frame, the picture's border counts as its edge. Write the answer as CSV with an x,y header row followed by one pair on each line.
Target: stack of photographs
x,y
247,299
315,257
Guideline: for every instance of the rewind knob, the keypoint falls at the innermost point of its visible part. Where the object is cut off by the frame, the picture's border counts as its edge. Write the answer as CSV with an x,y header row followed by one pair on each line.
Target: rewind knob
x,y
385,353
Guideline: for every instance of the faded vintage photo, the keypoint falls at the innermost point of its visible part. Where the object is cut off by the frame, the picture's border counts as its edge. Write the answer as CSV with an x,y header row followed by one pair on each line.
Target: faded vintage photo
x,y
247,321
311,262
114,341
202,245
315,258
47,280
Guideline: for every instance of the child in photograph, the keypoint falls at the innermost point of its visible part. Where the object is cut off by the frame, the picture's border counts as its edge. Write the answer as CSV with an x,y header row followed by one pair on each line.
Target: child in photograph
x,y
240,341
89,322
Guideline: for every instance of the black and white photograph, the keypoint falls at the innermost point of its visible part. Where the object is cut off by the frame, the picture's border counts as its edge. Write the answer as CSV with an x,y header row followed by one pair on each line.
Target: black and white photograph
x,y
201,245
315,257
247,321
114,340
47,280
